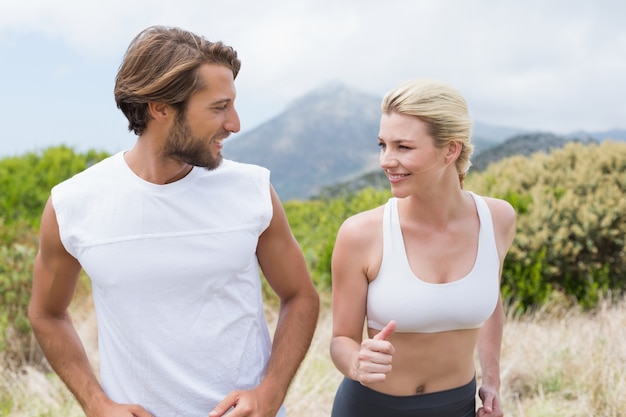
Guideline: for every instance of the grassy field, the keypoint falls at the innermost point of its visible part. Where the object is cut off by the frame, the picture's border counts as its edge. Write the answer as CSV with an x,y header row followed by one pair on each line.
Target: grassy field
x,y
556,362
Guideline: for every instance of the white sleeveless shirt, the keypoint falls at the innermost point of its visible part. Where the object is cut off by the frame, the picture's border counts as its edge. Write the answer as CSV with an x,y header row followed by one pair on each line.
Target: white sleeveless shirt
x,y
418,306
175,280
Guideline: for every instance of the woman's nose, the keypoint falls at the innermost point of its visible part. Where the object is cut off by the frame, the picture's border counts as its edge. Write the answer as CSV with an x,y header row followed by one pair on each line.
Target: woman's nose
x,y
386,160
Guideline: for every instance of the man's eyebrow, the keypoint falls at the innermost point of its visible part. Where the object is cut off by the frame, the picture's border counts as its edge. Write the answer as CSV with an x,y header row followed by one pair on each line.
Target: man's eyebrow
x,y
222,101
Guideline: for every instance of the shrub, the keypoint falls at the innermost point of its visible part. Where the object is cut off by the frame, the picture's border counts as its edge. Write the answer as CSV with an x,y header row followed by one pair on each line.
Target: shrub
x,y
25,181
25,184
315,224
17,255
571,223
571,220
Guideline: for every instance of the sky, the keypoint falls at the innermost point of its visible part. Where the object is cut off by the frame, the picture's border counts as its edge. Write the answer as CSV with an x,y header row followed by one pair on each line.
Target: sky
x,y
557,66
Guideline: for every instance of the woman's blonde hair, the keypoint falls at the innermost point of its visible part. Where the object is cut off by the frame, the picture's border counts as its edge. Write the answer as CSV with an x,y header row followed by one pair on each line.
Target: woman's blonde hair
x,y
442,108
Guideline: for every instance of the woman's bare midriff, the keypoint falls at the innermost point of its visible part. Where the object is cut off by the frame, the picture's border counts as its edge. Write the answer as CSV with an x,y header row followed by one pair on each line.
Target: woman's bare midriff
x,y
429,362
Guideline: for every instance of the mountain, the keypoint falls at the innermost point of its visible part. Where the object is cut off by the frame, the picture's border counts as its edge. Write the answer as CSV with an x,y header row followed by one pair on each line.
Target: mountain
x,y
325,137
528,143
613,134
525,144
325,142
486,136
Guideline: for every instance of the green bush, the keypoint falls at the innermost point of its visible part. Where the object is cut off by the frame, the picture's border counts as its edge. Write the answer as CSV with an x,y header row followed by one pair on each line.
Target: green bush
x,y
571,222
570,236
25,181
17,255
315,224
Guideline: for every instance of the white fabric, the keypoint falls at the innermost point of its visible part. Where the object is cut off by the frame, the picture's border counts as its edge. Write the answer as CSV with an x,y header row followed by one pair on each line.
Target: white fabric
x,y
175,280
418,306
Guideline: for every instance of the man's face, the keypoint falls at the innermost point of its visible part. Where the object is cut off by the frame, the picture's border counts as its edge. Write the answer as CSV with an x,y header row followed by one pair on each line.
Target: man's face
x,y
210,116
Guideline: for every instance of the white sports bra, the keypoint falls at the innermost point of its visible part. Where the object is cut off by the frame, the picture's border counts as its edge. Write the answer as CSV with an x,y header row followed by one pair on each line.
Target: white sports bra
x,y
421,307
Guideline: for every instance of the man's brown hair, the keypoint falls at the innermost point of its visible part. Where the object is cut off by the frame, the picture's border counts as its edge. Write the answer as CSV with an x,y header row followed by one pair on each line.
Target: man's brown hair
x,y
161,64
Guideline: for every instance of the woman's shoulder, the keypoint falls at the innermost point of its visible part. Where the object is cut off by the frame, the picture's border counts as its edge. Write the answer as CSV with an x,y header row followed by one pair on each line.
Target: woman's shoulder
x,y
364,219
359,243
501,210
362,226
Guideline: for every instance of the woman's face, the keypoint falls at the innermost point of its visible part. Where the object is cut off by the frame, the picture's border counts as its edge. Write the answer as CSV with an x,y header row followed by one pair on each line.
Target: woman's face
x,y
408,154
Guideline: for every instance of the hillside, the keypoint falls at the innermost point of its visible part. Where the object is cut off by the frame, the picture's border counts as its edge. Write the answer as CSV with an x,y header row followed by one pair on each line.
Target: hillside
x,y
525,144
324,137
326,141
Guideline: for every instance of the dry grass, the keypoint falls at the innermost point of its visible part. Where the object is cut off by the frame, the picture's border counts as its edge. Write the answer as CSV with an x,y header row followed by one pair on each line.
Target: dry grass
x,y
556,362
562,362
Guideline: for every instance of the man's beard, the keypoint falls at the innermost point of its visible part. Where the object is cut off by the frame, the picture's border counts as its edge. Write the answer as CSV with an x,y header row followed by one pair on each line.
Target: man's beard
x,y
182,146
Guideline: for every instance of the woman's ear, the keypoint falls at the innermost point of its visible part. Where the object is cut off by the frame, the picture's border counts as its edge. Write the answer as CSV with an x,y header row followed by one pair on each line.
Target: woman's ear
x,y
453,152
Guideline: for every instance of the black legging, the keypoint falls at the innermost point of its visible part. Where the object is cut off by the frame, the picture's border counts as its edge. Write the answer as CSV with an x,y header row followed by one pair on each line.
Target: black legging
x,y
356,400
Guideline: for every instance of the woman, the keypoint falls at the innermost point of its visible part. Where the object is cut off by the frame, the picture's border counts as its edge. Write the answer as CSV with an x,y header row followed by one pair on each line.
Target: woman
x,y
422,271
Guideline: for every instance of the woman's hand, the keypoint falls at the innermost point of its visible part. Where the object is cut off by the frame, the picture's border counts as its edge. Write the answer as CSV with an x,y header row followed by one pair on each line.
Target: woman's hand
x,y
491,402
375,357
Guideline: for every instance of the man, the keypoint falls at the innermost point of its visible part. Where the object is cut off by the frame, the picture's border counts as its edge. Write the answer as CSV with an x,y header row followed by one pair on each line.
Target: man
x,y
172,237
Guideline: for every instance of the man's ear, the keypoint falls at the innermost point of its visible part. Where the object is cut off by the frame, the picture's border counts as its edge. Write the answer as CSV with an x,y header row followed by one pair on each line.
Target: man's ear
x,y
159,111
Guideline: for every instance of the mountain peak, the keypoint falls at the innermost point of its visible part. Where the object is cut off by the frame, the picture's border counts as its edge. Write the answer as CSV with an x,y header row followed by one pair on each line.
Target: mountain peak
x,y
326,136
331,88
333,96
